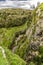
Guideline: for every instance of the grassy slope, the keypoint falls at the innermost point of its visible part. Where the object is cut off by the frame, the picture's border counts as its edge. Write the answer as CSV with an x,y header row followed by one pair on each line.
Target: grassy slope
x,y
10,57
6,35
14,59
13,17
3,61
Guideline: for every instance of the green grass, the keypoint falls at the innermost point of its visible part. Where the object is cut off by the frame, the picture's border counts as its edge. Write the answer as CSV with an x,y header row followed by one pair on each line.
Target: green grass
x,y
41,6
13,17
6,34
31,63
3,61
11,59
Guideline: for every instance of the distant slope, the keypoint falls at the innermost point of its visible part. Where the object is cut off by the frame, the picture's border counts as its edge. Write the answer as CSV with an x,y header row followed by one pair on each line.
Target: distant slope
x,y
13,17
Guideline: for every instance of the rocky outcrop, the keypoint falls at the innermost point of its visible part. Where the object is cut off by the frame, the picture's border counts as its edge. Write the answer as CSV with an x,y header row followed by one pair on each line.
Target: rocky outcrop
x,y
36,40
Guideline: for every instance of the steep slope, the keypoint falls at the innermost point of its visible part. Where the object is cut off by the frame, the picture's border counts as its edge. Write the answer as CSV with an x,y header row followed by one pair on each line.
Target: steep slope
x,y
34,51
9,33
30,45
25,40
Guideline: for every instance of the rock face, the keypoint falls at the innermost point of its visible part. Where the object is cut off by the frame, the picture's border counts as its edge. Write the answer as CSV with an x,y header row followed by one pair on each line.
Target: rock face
x,y
36,40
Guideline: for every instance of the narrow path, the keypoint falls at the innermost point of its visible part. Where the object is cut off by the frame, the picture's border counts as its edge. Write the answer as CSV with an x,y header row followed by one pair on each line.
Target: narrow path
x,y
3,52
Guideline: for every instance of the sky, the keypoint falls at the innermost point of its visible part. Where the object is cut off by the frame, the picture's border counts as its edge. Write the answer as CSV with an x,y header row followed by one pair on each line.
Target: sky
x,y
25,4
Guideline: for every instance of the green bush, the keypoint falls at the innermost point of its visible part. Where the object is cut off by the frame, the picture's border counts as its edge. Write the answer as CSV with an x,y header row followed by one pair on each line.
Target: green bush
x,y
41,50
31,63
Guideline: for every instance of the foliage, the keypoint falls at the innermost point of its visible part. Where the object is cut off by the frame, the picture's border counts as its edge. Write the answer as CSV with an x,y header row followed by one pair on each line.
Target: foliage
x,y
19,35
13,17
13,58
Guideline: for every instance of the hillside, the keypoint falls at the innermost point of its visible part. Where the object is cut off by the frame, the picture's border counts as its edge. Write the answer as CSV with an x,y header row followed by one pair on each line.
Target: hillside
x,y
21,36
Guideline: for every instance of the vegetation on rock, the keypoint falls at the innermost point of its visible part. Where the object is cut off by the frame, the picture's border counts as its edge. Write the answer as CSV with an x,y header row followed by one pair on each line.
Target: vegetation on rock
x,y
21,36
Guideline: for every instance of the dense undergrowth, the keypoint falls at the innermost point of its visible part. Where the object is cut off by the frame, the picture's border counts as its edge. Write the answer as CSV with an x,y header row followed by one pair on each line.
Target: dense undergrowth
x,y
21,36
13,17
